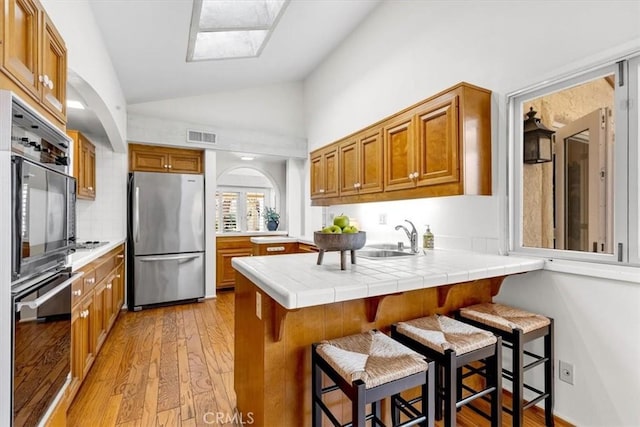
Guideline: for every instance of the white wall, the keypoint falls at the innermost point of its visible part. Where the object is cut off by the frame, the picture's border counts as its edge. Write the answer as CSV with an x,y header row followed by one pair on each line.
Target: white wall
x,y
263,120
105,217
406,51
91,70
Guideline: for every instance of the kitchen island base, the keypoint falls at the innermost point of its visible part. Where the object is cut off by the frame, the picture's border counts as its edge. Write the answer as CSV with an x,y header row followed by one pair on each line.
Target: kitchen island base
x,y
273,344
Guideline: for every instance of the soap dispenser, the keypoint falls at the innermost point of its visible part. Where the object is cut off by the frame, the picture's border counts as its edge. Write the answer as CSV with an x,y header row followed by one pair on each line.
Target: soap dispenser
x,y
427,239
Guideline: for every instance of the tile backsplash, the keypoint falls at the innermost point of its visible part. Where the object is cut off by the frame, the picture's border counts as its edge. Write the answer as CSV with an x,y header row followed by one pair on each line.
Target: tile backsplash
x,y
105,217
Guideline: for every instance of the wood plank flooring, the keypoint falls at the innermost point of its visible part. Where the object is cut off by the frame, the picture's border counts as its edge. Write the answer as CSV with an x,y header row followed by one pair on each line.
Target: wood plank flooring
x,y
173,366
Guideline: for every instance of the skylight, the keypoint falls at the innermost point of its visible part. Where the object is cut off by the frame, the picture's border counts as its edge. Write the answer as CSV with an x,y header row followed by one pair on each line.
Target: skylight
x,y
225,29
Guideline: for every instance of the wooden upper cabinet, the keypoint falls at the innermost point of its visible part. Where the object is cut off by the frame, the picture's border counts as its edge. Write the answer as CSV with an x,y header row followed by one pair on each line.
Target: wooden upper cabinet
x,y
22,47
399,153
34,57
438,147
152,158
438,141
54,70
325,172
84,165
361,163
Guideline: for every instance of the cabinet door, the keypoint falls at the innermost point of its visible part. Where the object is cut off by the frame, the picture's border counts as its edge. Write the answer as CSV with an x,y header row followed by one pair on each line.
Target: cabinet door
x,y
78,350
371,163
185,163
437,139
86,170
148,161
88,334
99,316
54,70
316,176
21,50
349,168
331,172
399,153
118,293
226,274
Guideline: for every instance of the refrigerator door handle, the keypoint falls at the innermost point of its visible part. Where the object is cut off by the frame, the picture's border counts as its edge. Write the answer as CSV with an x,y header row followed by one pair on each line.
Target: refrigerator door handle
x,y
136,216
169,258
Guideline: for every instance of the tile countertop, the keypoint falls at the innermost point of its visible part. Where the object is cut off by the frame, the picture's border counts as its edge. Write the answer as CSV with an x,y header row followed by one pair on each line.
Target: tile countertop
x,y
252,233
83,257
295,281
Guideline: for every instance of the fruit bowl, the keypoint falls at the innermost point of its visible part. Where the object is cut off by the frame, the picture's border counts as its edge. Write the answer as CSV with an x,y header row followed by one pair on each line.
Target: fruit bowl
x,y
341,242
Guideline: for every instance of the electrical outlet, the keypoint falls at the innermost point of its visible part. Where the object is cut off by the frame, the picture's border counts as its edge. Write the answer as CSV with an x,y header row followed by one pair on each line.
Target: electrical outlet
x,y
382,219
566,372
259,305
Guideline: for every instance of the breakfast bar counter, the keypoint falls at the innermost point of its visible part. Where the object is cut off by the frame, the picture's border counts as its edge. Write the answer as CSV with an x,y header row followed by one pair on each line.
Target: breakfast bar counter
x,y
284,303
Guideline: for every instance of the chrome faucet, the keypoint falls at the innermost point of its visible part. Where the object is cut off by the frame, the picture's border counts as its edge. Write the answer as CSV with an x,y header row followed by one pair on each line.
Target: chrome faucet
x,y
413,235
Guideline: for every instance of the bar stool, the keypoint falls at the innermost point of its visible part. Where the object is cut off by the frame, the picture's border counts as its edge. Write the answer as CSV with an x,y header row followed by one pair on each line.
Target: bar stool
x,y
454,344
369,367
517,327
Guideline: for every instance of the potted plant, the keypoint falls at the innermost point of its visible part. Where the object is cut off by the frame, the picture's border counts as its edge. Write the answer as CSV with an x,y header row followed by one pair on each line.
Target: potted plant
x,y
271,218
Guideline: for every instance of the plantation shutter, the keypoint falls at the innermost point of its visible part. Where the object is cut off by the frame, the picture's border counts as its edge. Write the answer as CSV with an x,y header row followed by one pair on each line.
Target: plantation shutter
x,y
228,209
255,208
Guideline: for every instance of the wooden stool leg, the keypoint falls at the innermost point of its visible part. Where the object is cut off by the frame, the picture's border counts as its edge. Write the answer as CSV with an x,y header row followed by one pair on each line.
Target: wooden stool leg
x,y
548,376
316,387
496,380
518,377
428,390
358,407
450,389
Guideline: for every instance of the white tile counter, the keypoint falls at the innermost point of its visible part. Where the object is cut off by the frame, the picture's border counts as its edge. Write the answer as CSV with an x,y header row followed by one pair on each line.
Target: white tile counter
x,y
295,281
83,257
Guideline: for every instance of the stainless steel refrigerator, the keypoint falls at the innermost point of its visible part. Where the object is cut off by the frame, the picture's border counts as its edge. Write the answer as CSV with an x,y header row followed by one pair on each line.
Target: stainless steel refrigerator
x,y
166,238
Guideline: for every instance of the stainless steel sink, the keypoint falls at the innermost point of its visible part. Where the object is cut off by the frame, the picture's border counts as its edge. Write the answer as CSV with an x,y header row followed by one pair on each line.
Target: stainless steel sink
x,y
382,253
390,246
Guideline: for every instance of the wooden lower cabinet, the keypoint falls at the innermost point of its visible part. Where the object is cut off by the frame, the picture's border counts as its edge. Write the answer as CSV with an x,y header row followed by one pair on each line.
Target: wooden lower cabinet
x,y
306,248
96,301
228,247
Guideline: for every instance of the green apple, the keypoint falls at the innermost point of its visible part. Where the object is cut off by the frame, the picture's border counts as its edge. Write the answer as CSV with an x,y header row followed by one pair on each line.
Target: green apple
x,y
341,221
332,229
350,229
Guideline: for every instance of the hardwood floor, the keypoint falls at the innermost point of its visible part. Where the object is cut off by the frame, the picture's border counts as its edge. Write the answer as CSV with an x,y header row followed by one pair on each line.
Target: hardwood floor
x,y
173,366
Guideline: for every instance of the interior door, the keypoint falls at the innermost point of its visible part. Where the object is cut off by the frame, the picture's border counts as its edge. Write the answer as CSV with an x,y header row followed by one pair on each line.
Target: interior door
x,y
584,187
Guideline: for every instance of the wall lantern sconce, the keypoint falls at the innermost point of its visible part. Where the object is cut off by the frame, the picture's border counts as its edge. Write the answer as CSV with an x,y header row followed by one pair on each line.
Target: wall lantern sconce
x,y
537,140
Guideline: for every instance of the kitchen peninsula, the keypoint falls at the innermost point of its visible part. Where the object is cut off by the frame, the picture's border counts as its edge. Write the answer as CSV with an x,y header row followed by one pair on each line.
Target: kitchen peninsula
x,y
285,303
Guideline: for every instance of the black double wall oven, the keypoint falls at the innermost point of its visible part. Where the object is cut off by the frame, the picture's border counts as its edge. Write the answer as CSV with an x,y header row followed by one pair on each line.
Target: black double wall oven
x,y
43,198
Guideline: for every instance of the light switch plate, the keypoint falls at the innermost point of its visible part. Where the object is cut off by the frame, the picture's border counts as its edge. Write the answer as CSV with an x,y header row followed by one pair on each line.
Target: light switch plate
x,y
259,305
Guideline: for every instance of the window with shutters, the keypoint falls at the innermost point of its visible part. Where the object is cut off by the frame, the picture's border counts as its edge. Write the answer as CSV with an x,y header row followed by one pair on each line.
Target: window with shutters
x,y
240,209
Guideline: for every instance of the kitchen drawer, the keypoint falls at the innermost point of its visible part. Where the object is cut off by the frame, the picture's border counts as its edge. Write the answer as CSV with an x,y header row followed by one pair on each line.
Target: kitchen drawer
x,y
88,280
275,248
105,267
77,291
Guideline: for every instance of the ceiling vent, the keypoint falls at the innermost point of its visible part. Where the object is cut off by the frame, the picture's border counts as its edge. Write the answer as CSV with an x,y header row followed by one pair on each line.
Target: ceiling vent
x,y
201,137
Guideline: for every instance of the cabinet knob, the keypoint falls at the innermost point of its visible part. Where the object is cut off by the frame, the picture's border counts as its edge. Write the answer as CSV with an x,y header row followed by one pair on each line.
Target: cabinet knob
x,y
117,276
120,256
77,292
50,84
321,190
90,188
109,285
169,166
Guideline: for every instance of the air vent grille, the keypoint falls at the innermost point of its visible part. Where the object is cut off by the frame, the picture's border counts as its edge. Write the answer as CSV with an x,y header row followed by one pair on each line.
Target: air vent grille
x,y
201,137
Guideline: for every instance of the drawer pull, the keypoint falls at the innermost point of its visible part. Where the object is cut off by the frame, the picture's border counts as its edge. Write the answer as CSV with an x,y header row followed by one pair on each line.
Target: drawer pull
x,y
117,276
275,249
109,285
120,256
77,292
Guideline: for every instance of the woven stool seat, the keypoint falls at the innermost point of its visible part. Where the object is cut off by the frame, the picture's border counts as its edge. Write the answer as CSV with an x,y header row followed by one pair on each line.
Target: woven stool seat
x,y
504,317
441,333
371,357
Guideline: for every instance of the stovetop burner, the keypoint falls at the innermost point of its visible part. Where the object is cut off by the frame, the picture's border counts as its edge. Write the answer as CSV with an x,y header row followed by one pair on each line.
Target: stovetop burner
x,y
90,244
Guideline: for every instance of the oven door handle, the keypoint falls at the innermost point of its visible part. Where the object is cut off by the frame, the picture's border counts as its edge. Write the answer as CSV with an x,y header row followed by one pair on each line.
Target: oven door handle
x,y
33,304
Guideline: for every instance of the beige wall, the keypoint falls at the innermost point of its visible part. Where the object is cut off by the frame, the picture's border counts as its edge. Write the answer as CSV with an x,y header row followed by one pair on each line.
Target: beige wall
x,y
555,111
